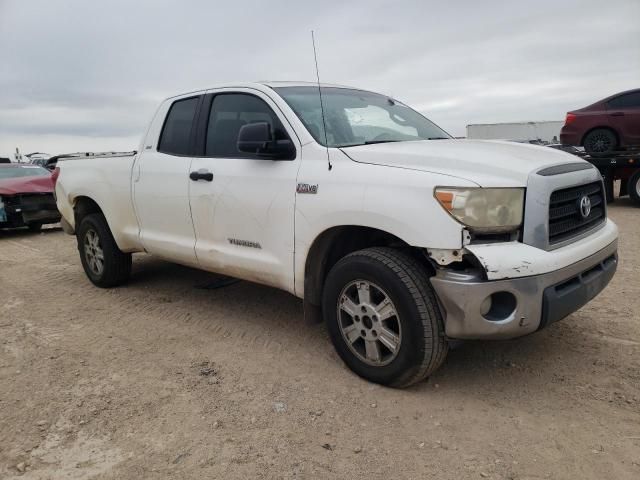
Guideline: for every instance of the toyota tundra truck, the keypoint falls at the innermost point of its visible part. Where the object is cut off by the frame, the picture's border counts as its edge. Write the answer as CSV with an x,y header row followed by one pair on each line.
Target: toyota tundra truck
x,y
400,237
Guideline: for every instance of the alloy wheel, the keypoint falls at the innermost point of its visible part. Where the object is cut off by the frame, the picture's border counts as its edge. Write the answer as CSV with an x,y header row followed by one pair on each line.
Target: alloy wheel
x,y
599,142
93,252
369,323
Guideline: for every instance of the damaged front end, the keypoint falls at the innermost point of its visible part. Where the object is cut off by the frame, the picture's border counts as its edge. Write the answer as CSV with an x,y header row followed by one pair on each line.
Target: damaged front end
x,y
562,258
475,307
27,209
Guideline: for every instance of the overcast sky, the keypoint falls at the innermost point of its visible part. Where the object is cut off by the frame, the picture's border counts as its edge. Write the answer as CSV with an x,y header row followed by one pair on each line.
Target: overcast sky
x,y
84,75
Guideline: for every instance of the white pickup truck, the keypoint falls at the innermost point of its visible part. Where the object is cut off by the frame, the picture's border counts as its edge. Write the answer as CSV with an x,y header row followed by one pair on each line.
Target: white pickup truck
x,y
398,235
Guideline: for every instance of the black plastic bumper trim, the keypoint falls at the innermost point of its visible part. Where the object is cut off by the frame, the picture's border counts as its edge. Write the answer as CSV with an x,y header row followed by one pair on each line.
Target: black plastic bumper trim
x,y
564,298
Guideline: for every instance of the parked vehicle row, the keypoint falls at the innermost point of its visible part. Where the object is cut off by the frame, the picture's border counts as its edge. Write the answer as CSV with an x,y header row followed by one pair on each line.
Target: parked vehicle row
x,y
399,236
37,158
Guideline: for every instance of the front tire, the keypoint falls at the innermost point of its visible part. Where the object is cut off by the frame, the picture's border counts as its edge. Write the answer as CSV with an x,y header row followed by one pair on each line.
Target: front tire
x,y
103,262
383,318
600,141
34,227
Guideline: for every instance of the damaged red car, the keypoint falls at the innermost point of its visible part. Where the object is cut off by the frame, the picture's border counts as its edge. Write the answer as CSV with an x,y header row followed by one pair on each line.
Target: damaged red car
x,y
26,197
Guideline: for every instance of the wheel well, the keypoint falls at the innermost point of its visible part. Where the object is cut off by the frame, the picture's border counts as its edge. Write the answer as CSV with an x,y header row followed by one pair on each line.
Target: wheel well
x,y
600,128
83,207
337,242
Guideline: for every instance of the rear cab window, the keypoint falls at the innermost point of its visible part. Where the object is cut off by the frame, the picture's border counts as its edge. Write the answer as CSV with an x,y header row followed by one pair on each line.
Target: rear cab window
x,y
175,138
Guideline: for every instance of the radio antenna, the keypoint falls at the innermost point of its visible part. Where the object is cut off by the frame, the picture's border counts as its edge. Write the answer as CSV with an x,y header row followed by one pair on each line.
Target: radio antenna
x,y
324,123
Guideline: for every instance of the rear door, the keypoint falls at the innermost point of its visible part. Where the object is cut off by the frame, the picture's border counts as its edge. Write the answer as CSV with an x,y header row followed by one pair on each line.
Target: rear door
x,y
624,116
161,182
243,217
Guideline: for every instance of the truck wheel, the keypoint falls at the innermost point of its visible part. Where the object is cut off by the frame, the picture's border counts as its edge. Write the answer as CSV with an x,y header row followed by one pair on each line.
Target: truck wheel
x,y
103,262
633,187
383,317
600,141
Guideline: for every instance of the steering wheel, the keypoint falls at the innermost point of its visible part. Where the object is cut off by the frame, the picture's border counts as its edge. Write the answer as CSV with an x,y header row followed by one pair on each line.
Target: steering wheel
x,y
397,119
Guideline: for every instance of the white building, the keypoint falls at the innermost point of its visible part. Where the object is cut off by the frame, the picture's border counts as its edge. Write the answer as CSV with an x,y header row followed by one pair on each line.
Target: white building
x,y
521,131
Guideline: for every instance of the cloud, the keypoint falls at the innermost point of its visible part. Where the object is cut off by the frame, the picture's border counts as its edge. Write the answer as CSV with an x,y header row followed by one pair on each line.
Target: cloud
x,y
90,74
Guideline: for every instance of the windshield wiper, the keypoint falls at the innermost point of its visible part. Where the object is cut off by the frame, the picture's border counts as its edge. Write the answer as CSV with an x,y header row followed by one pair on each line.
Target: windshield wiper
x,y
368,142
438,138
373,142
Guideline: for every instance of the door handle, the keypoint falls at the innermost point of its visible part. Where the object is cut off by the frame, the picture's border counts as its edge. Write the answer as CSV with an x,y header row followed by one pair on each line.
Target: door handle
x,y
617,114
201,175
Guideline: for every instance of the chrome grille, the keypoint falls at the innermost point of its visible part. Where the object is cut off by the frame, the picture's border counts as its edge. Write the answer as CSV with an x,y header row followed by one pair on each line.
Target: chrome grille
x,y
565,217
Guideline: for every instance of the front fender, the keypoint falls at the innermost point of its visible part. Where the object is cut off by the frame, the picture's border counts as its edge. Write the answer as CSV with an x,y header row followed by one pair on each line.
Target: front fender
x,y
394,200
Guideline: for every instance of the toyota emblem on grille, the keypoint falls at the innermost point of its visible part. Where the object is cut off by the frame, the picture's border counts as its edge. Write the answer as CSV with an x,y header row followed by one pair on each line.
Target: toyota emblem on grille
x,y
585,206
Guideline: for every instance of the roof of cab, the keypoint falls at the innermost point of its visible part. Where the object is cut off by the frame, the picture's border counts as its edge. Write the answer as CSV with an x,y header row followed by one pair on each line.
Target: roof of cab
x,y
260,85
277,83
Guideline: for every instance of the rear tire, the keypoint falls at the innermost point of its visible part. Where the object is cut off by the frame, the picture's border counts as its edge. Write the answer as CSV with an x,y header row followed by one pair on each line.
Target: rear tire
x,y
633,187
103,262
392,304
600,141
35,227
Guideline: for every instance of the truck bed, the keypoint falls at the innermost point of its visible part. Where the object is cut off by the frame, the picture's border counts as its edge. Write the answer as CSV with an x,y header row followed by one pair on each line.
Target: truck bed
x,y
108,185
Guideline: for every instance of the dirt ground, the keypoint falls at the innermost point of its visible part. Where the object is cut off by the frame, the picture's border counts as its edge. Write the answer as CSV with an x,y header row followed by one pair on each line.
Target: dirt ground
x,y
166,379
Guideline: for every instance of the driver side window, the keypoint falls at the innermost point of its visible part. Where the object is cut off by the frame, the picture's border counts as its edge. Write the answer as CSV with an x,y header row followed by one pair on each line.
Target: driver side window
x,y
229,112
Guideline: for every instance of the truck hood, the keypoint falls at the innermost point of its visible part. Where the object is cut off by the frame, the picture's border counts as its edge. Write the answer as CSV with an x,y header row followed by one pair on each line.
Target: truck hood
x,y
13,186
487,163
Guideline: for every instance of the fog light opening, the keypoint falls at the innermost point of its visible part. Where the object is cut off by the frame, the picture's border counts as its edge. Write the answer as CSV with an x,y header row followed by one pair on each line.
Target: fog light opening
x,y
498,306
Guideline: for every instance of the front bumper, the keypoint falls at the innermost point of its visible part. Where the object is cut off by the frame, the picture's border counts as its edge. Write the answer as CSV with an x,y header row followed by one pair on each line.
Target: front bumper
x,y
520,305
24,209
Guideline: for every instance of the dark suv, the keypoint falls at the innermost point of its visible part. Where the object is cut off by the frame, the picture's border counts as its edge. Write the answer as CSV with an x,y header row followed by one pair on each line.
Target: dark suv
x,y
606,125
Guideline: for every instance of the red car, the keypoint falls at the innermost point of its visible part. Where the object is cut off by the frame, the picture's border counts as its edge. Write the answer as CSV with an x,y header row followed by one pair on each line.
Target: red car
x,y
26,196
605,126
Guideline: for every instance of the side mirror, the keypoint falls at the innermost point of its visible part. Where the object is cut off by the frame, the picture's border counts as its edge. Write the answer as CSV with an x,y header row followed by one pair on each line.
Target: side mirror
x,y
257,138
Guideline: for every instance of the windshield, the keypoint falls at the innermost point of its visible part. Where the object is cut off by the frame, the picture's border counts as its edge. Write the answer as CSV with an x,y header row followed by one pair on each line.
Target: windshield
x,y
23,171
355,117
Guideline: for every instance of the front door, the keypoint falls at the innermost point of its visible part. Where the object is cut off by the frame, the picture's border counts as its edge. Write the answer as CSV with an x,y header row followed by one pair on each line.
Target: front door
x,y
161,186
243,217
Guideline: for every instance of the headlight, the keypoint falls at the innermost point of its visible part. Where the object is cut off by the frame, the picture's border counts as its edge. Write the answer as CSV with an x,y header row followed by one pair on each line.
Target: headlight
x,y
484,209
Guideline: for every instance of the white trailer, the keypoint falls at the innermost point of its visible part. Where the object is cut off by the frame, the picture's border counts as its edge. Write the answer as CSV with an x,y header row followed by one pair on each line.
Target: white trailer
x,y
548,131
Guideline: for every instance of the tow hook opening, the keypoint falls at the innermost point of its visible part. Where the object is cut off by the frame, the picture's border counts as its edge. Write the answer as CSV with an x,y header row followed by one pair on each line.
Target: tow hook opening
x,y
498,306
